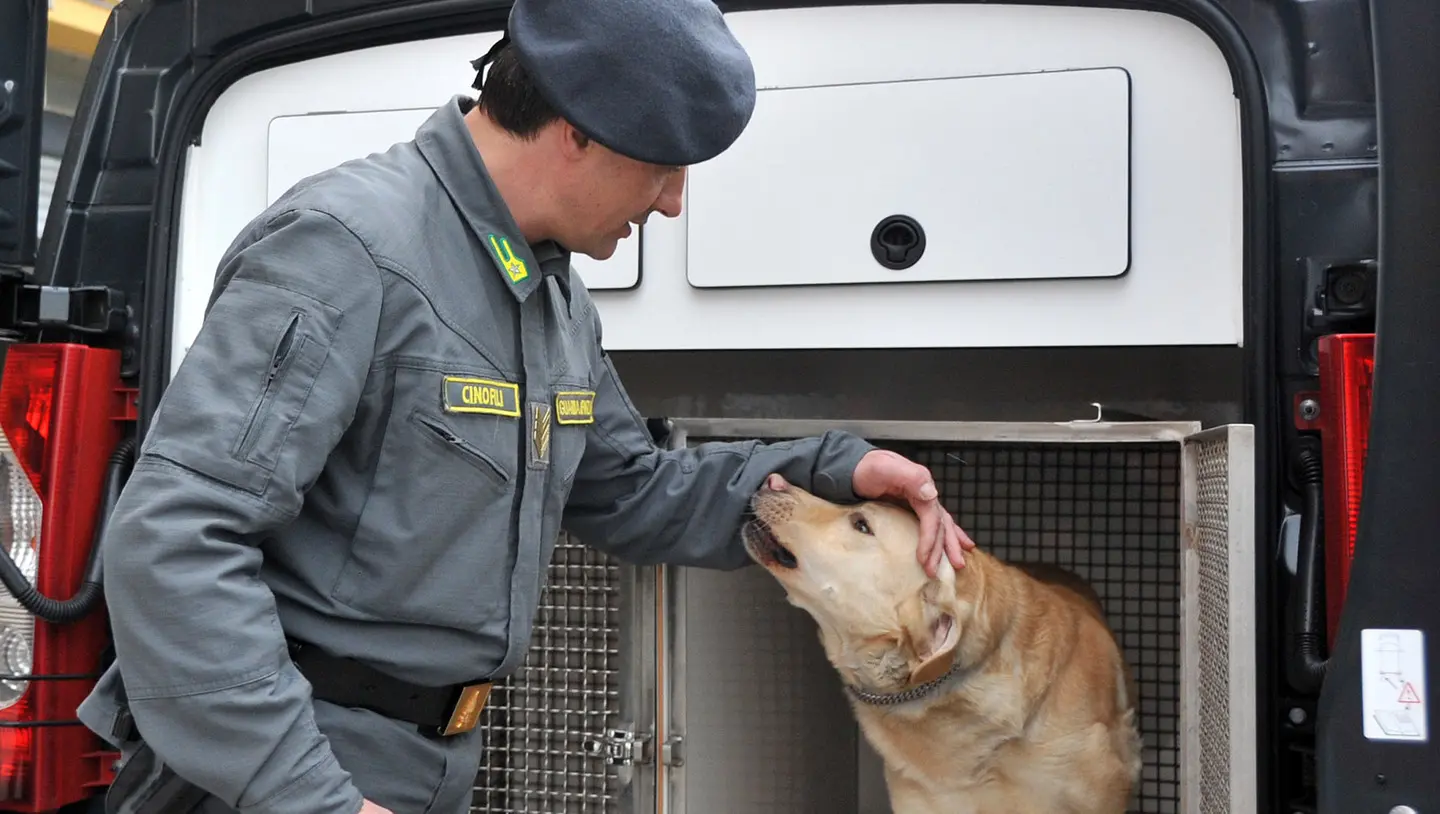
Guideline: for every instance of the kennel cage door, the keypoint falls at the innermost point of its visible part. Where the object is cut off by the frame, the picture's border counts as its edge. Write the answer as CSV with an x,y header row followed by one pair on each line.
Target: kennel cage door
x,y
1218,750
572,731
1157,516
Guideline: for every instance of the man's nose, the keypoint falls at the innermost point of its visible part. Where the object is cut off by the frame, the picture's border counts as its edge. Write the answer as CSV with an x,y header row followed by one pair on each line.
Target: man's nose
x,y
671,196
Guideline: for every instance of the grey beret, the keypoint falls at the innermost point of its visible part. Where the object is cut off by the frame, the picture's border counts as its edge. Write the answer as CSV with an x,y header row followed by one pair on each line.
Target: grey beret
x,y
660,81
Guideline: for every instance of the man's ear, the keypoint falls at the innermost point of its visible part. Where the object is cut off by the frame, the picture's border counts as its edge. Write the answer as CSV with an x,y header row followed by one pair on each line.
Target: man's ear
x,y
930,631
573,143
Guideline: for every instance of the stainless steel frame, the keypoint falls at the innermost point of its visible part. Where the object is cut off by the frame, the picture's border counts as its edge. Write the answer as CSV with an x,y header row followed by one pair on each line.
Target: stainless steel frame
x,y
1216,677
1217,632
638,697
670,713
1029,432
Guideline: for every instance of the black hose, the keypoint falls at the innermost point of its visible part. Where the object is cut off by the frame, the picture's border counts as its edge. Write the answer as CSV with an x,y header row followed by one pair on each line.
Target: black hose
x,y
1306,666
78,606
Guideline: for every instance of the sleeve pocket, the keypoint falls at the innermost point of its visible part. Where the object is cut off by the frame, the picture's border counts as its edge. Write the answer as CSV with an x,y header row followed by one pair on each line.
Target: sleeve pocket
x,y
244,383
283,391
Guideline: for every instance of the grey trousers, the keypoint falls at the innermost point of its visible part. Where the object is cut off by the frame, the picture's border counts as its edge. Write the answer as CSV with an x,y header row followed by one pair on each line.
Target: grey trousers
x,y
393,764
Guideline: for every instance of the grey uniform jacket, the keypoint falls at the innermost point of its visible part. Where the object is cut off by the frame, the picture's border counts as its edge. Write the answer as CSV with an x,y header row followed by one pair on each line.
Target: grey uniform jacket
x,y
393,406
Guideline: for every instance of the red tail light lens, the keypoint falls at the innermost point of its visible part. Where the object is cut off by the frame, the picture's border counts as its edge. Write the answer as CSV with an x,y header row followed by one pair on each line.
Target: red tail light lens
x,y
56,403
27,395
1347,371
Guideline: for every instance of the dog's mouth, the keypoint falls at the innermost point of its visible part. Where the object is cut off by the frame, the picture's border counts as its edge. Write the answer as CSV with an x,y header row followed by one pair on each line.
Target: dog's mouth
x,y
765,547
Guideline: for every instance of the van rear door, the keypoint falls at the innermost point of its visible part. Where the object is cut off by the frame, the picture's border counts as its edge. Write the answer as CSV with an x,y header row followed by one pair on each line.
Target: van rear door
x,y
22,93
1377,745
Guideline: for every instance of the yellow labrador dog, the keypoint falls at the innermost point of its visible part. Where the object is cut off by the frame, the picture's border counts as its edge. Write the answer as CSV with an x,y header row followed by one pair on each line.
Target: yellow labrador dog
x,y
995,690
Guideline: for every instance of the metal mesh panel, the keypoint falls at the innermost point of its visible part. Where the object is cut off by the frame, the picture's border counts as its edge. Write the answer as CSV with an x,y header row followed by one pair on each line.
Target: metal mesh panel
x,y
1212,545
565,693
1110,514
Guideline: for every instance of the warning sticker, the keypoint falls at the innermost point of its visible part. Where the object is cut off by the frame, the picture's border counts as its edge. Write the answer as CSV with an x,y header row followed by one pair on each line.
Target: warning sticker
x,y
1408,694
1392,672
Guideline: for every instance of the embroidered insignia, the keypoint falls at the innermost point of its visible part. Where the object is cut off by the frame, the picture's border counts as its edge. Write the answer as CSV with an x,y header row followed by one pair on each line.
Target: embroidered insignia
x,y
504,255
575,407
466,395
539,434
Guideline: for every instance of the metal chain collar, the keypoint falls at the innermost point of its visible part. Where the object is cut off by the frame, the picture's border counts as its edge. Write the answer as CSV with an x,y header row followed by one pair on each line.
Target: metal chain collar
x,y
914,693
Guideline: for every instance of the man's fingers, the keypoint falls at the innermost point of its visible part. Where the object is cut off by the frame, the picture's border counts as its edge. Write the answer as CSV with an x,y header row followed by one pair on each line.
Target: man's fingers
x,y
930,544
949,538
940,538
952,545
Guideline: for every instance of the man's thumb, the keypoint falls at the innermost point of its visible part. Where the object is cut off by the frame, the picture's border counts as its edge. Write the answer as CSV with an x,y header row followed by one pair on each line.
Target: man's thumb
x,y
927,487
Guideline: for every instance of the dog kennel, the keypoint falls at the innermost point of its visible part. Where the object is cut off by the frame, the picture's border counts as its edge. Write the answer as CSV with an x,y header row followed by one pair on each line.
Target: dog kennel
x,y
688,691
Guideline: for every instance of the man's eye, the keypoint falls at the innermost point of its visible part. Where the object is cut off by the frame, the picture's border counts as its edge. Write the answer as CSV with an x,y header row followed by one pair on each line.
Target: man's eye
x,y
858,521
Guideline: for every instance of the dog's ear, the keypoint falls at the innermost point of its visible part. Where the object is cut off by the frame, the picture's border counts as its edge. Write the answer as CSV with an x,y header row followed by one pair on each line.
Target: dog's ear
x,y
930,631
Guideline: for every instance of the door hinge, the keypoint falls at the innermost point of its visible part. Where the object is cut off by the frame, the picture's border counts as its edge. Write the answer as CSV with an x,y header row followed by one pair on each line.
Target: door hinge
x,y
97,315
672,753
87,310
620,747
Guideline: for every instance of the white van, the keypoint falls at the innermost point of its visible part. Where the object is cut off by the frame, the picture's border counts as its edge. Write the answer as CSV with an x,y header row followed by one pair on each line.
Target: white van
x,y
1116,270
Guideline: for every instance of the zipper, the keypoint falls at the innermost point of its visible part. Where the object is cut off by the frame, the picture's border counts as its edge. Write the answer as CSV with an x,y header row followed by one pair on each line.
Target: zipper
x,y
469,451
280,360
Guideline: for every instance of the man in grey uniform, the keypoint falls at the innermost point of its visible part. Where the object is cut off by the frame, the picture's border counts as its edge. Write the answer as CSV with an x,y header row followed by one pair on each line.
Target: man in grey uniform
x,y
337,527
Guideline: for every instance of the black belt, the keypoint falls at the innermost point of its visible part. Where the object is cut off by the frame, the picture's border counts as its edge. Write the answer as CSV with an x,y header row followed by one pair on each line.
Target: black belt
x,y
448,710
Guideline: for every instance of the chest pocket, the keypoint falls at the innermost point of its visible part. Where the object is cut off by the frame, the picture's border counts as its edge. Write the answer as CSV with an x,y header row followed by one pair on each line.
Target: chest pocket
x,y
436,542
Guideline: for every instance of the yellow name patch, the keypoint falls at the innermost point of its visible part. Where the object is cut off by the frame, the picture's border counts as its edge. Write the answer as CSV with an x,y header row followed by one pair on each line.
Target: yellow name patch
x,y
575,407
463,395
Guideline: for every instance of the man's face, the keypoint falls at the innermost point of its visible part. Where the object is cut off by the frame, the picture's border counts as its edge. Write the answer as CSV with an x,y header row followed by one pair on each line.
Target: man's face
x,y
608,195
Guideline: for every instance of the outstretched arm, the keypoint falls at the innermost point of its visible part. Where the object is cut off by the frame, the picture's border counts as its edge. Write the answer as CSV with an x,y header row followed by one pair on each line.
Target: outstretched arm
x,y
685,507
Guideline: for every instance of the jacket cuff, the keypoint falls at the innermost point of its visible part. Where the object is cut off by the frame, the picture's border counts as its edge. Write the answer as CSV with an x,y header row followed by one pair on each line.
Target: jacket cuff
x,y
834,477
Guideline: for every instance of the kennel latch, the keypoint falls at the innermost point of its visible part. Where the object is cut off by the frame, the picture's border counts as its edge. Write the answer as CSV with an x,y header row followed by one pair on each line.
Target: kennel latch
x,y
619,747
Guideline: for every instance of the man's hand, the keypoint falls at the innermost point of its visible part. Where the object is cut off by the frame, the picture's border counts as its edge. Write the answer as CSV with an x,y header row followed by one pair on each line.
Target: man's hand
x,y
882,474
371,808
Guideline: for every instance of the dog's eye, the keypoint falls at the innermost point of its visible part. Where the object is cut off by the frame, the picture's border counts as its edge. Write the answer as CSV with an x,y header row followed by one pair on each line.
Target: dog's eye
x,y
859,523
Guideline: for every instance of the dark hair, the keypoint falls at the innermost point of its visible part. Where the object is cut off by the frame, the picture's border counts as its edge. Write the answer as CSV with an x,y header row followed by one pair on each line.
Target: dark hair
x,y
510,98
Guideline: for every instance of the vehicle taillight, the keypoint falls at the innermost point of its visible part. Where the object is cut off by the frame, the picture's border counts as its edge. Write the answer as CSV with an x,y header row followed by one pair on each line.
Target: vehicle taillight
x,y
57,414
1347,370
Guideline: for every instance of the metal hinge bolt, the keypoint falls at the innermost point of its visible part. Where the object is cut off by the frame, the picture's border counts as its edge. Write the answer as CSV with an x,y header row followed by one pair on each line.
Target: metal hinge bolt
x,y
619,747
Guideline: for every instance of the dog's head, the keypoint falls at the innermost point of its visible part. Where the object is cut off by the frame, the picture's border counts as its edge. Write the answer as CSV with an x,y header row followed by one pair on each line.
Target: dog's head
x,y
885,625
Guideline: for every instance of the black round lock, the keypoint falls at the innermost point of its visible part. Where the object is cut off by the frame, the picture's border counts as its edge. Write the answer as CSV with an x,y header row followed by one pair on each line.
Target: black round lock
x,y
897,242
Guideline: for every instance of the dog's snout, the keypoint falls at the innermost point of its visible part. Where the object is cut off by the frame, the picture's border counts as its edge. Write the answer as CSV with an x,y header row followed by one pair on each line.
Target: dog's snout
x,y
774,507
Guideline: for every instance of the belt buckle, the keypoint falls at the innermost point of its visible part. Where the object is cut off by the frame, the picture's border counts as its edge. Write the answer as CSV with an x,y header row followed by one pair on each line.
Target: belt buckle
x,y
465,714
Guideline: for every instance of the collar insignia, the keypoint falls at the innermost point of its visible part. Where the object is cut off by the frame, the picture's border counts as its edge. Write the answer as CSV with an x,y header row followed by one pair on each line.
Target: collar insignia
x,y
513,266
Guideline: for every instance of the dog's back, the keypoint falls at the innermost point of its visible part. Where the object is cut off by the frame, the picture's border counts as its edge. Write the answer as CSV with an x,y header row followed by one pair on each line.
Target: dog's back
x,y
1054,575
